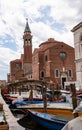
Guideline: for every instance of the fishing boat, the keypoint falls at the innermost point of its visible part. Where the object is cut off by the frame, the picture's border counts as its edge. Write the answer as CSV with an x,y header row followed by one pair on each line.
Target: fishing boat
x,y
49,121
16,104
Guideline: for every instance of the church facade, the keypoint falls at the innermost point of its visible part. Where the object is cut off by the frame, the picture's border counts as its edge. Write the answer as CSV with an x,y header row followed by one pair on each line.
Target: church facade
x,y
55,60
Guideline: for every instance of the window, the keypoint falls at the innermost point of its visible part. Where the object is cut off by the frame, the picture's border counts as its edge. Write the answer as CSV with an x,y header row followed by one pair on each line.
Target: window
x,y
81,37
46,58
17,66
57,73
29,42
34,59
26,40
70,73
42,74
63,55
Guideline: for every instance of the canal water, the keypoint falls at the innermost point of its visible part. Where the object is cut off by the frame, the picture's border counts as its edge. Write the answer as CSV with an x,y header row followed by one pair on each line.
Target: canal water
x,y
38,127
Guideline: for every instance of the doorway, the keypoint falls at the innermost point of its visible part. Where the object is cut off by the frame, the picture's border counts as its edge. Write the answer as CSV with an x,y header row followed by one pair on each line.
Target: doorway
x,y
63,80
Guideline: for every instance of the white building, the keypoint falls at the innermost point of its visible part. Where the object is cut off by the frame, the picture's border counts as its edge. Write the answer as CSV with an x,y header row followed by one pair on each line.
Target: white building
x,y
77,31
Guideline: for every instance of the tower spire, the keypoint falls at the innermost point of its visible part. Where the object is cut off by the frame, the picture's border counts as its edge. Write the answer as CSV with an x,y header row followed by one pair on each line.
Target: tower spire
x,y
27,28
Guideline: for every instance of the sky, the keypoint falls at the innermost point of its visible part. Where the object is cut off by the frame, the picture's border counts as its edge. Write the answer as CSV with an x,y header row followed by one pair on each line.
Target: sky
x,y
46,18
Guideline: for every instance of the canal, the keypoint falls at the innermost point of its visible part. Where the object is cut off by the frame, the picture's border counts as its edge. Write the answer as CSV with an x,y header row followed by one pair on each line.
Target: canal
x,y
38,127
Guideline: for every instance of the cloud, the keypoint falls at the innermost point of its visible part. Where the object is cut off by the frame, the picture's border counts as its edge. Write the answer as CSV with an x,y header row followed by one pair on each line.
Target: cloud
x,y
48,18
6,55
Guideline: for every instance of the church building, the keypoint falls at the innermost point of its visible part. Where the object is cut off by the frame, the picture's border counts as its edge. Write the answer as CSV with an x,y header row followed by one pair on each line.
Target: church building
x,y
53,59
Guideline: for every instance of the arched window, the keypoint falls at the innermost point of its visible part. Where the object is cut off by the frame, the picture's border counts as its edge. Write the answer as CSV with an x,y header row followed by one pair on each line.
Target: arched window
x,y
57,73
46,58
42,74
70,73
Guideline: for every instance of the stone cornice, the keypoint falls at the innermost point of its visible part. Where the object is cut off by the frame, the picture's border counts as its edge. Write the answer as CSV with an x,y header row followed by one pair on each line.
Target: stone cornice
x,y
77,60
77,27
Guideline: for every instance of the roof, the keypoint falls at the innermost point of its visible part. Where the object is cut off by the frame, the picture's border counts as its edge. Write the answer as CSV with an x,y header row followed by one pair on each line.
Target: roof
x,y
35,50
27,28
50,43
50,40
17,60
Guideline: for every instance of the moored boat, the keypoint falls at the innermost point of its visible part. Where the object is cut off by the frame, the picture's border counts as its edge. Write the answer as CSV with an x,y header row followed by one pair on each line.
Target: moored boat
x,y
48,121
52,108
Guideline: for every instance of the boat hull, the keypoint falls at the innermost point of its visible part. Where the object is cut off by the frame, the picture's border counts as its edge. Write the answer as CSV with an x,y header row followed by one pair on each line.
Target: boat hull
x,y
47,120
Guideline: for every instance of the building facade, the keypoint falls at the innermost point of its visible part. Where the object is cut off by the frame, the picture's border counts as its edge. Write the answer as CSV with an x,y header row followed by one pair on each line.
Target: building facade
x,y
55,60
77,31
16,70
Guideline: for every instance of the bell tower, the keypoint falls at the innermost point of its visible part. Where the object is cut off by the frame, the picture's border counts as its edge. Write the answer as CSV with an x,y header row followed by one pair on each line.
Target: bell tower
x,y
27,59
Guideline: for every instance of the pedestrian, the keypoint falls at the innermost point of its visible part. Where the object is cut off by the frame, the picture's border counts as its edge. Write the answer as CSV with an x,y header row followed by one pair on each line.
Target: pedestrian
x,y
76,123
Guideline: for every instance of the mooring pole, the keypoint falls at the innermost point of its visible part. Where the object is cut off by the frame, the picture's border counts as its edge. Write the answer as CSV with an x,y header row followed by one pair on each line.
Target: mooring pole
x,y
44,96
74,98
31,94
